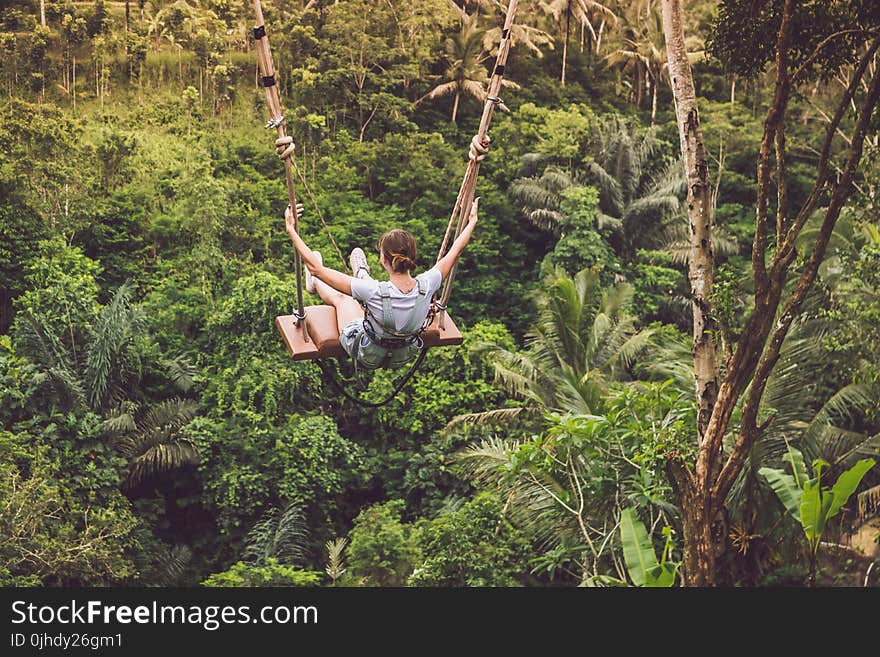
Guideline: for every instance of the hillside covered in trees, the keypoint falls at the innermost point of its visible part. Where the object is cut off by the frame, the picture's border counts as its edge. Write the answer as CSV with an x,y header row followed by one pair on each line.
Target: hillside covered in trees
x,y
154,431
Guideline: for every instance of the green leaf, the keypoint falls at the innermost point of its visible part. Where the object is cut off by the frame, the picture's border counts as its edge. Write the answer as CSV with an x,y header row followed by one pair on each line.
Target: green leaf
x,y
815,505
638,551
599,581
786,489
847,483
798,467
663,576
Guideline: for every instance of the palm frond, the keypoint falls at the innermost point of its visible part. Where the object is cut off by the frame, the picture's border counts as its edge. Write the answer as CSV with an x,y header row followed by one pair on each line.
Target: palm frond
x,y
172,414
529,164
181,371
635,345
672,359
111,338
546,219
280,535
173,565
335,561
520,34
869,502
159,458
119,422
494,417
674,240
484,460
157,445
443,89
45,348
610,193
604,221
533,194
843,405
474,89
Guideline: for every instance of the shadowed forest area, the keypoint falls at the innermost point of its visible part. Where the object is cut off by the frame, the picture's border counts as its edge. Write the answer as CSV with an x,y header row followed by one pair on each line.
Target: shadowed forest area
x,y
670,372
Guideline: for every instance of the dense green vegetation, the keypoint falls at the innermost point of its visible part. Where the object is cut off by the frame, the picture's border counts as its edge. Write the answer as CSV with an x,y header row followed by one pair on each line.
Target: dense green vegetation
x,y
153,429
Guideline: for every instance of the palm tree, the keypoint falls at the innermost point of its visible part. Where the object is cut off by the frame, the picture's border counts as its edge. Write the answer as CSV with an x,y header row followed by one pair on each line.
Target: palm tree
x,y
99,376
584,12
104,378
465,73
543,199
644,52
582,338
278,535
567,485
633,199
796,412
522,33
153,442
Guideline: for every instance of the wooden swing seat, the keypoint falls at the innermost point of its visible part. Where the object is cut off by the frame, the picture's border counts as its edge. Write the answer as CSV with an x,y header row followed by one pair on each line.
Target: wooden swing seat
x,y
324,334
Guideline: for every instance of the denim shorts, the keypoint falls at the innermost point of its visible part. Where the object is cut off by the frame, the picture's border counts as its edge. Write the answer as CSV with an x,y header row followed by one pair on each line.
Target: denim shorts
x,y
351,333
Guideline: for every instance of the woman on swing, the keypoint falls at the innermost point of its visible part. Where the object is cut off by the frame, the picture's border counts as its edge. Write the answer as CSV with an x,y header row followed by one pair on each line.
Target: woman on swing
x,y
379,322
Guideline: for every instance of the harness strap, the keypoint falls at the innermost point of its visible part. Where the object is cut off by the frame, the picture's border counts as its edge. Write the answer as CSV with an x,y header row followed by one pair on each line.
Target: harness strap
x,y
419,311
412,328
388,323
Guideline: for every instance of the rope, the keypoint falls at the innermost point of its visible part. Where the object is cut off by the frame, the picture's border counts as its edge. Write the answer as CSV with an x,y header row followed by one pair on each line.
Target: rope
x,y
285,148
401,383
320,216
475,154
283,144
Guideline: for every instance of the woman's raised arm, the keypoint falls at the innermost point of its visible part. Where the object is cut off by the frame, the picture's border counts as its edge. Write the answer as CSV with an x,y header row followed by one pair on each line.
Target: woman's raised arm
x,y
335,279
447,262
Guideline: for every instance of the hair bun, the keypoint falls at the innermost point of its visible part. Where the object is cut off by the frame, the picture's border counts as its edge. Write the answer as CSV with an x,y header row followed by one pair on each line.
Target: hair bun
x,y
398,247
402,259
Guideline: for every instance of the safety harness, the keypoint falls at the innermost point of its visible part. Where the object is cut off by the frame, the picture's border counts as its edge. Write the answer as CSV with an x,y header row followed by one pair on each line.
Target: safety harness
x,y
389,346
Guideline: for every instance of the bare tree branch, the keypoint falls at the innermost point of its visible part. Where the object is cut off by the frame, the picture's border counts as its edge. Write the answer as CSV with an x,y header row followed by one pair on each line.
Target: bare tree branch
x,y
748,427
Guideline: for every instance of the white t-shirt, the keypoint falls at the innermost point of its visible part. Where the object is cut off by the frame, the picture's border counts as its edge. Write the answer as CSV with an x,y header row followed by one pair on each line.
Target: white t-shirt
x,y
366,290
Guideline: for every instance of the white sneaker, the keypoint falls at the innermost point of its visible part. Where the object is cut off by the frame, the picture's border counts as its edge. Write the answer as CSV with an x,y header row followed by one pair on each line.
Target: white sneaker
x,y
310,280
358,262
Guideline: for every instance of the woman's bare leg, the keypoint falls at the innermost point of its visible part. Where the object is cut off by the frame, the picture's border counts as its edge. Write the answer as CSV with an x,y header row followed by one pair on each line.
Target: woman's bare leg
x,y
347,309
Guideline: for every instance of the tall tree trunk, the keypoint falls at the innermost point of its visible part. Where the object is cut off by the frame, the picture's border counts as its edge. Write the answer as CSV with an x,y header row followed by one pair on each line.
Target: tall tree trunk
x,y
565,41
653,102
455,105
127,62
701,266
699,551
43,13
599,36
640,83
